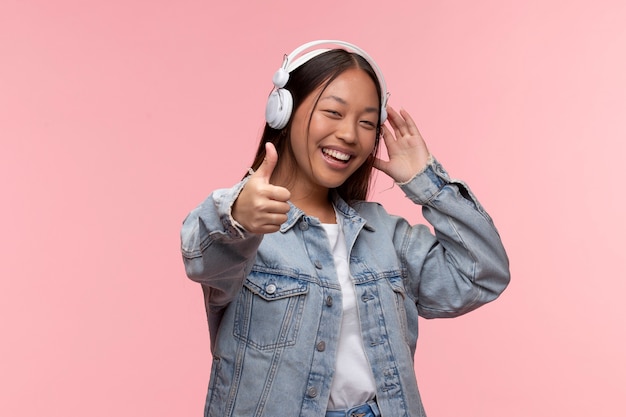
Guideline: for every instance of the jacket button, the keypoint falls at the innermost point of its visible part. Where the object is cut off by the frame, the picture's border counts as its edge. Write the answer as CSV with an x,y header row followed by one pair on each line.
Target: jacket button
x,y
311,392
318,264
304,226
270,289
329,301
321,346
367,297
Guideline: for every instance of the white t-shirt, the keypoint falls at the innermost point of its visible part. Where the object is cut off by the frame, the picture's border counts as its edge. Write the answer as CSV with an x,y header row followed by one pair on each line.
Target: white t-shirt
x,y
353,383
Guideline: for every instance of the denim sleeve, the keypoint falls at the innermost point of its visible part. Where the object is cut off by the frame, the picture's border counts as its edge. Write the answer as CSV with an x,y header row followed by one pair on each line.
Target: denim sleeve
x,y
464,265
217,252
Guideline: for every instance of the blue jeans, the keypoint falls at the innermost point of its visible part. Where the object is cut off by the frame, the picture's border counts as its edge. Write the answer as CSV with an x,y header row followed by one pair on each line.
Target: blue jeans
x,y
366,410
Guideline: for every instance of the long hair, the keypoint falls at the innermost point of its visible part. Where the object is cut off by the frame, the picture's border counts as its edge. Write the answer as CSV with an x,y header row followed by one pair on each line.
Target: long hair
x,y
322,70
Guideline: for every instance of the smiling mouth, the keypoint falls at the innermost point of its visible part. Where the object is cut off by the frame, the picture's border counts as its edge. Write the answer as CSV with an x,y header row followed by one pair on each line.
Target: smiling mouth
x,y
336,155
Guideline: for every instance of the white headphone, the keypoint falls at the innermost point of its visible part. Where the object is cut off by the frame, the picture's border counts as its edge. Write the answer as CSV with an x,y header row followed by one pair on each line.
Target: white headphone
x,y
280,102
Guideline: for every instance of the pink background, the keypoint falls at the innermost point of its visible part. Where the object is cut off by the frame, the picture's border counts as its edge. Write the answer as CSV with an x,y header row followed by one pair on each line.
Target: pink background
x,y
118,117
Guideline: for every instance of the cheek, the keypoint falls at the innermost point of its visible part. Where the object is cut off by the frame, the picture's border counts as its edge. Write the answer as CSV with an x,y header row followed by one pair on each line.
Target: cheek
x,y
320,126
369,142
298,136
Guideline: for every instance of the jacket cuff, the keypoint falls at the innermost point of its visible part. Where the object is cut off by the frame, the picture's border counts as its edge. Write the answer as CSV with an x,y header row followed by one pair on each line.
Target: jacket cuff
x,y
224,200
425,185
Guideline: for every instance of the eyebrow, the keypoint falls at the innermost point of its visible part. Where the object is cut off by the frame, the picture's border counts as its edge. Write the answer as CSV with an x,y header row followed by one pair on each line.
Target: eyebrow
x,y
342,101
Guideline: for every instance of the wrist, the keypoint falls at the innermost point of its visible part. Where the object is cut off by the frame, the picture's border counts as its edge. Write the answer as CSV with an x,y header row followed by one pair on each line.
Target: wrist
x,y
429,162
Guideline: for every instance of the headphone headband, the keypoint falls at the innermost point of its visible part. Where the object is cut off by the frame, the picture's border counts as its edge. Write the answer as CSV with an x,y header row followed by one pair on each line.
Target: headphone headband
x,y
280,102
292,63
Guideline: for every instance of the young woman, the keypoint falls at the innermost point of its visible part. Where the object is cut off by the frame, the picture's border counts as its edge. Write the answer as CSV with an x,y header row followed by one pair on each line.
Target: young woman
x,y
312,293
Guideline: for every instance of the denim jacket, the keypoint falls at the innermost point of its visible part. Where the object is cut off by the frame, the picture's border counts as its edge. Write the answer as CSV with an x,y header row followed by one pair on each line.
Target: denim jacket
x,y
273,301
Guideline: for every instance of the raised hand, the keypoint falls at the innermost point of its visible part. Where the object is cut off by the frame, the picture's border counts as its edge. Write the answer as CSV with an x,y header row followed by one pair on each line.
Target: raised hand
x,y
407,151
262,207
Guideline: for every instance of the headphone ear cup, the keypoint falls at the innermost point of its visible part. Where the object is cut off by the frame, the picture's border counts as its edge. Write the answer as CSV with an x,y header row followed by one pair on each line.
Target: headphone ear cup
x,y
278,108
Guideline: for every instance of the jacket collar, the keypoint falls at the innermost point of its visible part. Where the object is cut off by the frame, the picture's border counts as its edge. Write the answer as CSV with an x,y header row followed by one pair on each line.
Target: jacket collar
x,y
340,205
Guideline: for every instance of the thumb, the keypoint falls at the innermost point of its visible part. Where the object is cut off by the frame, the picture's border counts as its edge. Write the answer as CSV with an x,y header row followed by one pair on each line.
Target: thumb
x,y
269,163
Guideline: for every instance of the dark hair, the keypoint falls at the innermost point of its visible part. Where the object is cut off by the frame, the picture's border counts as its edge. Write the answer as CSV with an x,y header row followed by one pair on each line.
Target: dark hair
x,y
323,69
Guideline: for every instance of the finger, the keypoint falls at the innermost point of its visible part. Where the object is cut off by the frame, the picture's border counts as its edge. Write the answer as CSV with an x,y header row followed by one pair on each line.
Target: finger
x,y
269,223
265,229
275,207
273,192
410,123
397,122
269,199
269,163
277,219
277,193
388,138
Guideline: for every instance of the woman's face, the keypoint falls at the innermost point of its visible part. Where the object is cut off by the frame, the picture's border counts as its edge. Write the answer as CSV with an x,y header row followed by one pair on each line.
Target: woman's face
x,y
341,134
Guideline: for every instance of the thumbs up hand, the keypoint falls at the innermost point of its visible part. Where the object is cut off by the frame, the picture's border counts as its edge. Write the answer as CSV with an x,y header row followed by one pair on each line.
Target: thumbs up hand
x,y
262,207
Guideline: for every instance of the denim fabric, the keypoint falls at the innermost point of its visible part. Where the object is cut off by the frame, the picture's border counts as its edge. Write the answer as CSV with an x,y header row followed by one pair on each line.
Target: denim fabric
x,y
273,302
366,410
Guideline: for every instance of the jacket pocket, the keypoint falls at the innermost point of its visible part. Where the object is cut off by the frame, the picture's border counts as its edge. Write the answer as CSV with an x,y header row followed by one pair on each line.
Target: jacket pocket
x,y
269,310
397,286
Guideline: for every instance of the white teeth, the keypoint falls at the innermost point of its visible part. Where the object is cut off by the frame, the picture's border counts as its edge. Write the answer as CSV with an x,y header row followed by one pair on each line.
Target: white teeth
x,y
336,154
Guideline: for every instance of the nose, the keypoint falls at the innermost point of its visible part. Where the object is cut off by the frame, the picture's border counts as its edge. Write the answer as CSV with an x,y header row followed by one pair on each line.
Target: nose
x,y
347,131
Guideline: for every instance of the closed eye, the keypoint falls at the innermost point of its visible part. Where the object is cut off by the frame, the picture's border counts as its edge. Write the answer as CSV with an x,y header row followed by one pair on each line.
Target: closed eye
x,y
332,113
368,124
